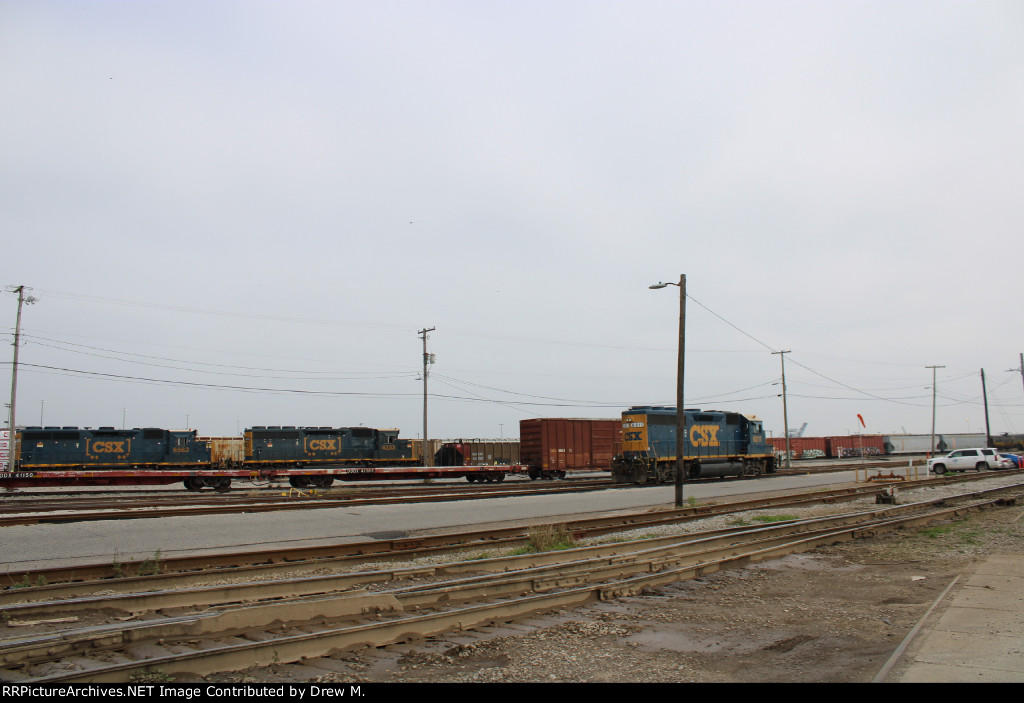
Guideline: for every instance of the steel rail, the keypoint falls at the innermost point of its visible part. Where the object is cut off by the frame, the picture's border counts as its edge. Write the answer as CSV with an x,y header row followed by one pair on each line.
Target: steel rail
x,y
183,592
69,581
628,576
118,511
509,576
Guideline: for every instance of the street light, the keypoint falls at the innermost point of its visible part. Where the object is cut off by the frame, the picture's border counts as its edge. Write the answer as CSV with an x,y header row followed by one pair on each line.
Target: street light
x,y
680,413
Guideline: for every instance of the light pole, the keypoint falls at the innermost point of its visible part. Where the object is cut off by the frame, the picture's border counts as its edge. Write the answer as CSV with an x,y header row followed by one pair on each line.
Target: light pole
x,y
680,412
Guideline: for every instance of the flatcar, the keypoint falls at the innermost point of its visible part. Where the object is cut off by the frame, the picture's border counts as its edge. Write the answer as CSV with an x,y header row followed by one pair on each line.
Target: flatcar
x,y
717,443
259,451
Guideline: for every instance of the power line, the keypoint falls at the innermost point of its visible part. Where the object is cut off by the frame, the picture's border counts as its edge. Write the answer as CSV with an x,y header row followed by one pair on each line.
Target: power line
x,y
63,347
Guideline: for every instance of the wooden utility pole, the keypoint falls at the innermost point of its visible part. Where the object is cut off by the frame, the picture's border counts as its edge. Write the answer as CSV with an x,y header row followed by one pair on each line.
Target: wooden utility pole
x,y
785,412
12,463
931,447
984,395
1020,369
427,460
680,410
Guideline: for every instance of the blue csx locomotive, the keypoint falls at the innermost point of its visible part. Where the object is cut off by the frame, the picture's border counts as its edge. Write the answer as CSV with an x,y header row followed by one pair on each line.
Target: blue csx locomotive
x,y
108,448
716,444
51,448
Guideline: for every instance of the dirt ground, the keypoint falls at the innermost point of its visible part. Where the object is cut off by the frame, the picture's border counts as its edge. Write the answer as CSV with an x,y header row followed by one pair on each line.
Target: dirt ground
x,y
835,614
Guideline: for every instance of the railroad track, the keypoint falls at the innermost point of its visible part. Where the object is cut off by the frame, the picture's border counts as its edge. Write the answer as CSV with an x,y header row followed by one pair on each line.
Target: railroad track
x,y
229,627
57,509
161,572
39,508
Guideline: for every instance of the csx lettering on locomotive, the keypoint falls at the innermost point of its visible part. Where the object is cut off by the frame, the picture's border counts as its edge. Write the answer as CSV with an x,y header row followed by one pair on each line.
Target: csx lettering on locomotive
x,y
704,435
323,445
108,447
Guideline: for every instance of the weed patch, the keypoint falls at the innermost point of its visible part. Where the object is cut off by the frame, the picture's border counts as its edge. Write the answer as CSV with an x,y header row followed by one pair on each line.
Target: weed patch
x,y
151,566
547,538
150,676
773,518
26,582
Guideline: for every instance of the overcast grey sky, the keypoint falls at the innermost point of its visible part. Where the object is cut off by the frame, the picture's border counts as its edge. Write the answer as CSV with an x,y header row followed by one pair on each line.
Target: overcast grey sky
x,y
240,213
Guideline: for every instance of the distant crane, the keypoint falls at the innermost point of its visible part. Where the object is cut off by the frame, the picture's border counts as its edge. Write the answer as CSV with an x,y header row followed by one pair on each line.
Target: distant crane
x,y
798,433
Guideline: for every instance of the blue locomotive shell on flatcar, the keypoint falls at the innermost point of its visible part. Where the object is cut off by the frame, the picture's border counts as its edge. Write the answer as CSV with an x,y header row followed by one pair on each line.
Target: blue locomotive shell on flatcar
x,y
716,443
323,446
110,448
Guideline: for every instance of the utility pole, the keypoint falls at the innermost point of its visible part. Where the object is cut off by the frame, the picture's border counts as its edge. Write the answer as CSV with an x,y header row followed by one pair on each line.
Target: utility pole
x,y
984,395
931,447
1020,368
427,359
680,407
20,290
680,368
785,413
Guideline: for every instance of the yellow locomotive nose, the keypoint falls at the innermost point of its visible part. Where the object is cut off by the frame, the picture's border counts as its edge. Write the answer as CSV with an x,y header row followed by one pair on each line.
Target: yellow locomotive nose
x,y
634,433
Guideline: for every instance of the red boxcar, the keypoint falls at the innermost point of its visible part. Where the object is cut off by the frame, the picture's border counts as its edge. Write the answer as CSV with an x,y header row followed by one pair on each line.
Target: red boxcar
x,y
550,447
802,447
856,445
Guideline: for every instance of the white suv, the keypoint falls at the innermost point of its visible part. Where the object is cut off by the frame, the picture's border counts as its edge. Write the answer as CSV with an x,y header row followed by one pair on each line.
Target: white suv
x,y
964,459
